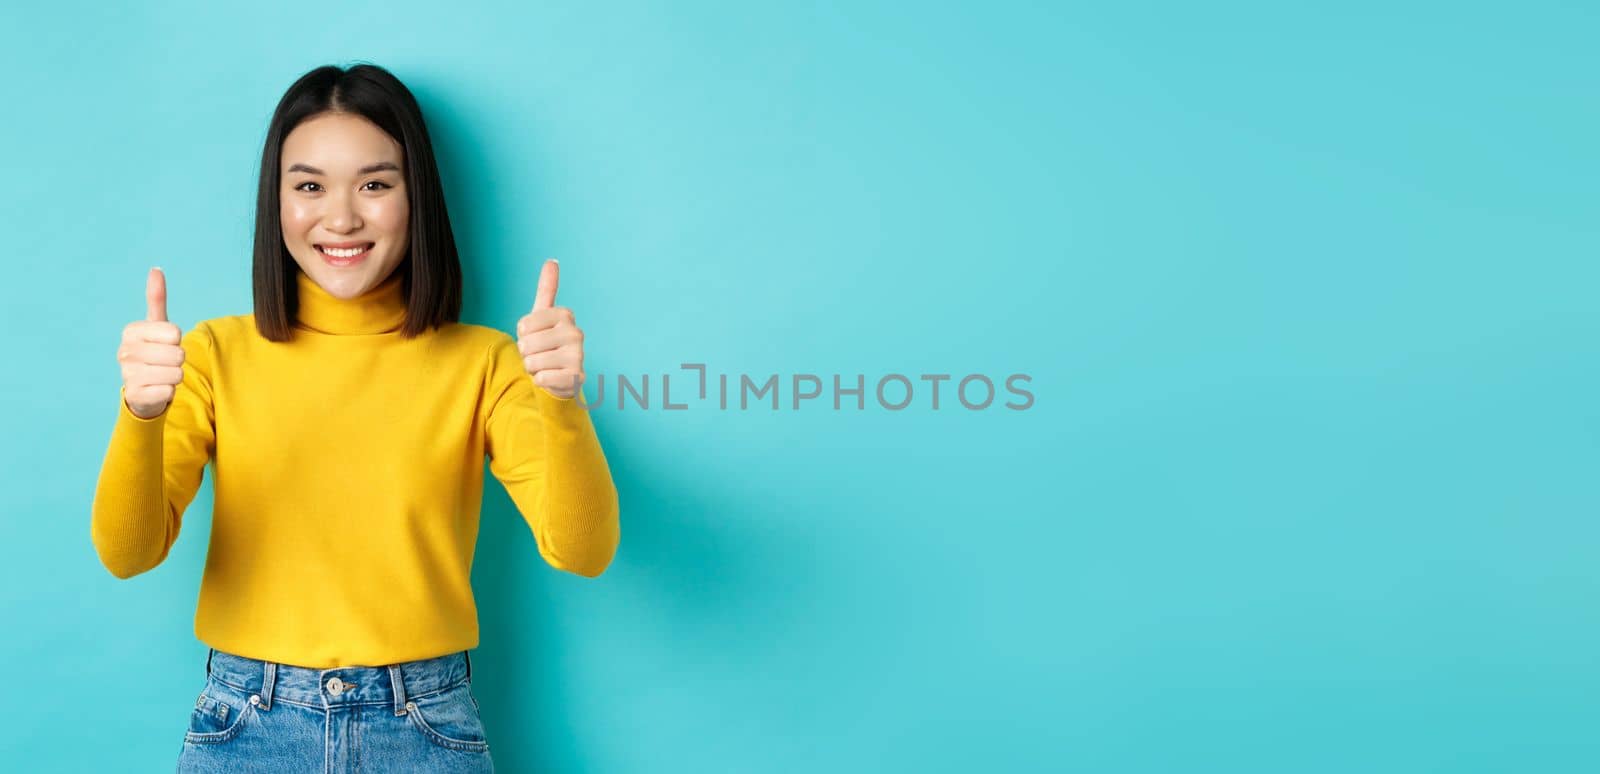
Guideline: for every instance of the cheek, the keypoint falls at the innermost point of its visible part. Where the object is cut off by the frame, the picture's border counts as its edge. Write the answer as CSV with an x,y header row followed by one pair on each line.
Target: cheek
x,y
297,217
391,215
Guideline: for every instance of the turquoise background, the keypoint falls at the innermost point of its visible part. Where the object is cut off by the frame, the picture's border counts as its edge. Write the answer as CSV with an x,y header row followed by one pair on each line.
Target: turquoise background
x,y
1307,295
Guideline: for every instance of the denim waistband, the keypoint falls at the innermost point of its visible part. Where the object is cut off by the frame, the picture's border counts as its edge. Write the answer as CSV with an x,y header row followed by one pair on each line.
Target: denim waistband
x,y
336,686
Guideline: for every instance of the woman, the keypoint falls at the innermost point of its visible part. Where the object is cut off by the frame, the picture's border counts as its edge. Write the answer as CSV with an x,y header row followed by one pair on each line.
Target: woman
x,y
348,419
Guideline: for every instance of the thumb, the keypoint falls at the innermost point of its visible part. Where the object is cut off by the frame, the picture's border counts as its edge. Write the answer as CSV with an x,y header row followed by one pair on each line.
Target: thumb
x,y
155,296
549,276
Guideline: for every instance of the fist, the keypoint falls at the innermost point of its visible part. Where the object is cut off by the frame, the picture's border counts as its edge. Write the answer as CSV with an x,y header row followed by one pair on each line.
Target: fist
x,y
150,355
549,339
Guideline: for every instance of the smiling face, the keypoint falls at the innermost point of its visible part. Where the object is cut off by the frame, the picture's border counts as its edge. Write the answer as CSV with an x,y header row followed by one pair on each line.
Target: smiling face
x,y
345,211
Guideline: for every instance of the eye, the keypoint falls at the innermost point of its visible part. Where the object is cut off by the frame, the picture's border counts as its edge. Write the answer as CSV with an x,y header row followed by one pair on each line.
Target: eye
x,y
302,186
378,183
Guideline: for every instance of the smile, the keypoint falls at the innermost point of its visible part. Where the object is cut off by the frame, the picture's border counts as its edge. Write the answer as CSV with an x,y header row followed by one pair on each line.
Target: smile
x,y
344,256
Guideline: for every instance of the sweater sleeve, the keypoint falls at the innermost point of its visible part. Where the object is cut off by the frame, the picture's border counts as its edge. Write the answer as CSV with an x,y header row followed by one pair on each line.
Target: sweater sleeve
x,y
153,468
544,450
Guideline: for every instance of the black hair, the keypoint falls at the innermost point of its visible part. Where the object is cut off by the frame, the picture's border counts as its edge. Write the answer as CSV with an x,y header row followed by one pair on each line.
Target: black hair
x,y
431,282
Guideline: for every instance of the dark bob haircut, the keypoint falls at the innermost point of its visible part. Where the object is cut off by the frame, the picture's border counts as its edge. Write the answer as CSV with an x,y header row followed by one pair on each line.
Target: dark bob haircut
x,y
431,269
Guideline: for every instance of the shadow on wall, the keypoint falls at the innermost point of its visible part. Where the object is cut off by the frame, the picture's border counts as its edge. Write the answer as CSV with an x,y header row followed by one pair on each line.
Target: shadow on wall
x,y
701,580
695,564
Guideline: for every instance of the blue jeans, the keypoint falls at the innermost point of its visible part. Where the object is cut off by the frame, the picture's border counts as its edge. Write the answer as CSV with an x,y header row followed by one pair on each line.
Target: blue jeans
x,y
261,716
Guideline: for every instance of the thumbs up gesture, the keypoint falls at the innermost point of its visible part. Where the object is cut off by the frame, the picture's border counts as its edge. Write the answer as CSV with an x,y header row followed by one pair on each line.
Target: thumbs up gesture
x,y
150,355
549,339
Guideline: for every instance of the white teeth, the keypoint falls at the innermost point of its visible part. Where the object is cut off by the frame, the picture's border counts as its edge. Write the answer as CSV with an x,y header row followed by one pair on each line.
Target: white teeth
x,y
343,252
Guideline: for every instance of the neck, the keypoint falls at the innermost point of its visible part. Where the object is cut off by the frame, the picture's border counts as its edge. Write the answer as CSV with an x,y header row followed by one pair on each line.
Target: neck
x,y
379,310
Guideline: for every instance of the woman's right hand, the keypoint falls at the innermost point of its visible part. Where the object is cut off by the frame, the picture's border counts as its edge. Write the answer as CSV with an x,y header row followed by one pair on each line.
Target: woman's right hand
x,y
151,355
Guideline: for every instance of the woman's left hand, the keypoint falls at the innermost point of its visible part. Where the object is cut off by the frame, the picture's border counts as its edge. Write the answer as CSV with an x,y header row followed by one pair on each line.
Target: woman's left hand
x,y
550,340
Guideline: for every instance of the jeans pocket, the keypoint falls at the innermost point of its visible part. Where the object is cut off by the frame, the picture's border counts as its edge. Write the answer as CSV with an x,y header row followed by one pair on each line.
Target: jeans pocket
x,y
449,719
219,714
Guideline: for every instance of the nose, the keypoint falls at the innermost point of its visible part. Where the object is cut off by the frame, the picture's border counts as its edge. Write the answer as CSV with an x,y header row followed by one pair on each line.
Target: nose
x,y
341,217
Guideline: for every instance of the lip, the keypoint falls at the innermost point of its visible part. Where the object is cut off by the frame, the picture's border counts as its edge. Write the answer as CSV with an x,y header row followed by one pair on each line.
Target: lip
x,y
350,261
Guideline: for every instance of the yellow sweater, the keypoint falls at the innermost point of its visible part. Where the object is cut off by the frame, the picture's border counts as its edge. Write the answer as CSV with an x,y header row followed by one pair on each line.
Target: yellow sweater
x,y
347,468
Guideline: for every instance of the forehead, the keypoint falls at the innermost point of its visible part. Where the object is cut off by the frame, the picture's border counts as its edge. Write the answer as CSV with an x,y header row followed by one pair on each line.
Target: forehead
x,y
338,142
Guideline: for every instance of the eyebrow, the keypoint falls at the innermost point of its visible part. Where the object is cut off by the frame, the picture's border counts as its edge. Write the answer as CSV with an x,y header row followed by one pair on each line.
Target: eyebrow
x,y
366,170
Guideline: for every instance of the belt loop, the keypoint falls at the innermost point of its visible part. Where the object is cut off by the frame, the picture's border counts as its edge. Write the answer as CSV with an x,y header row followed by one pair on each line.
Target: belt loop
x,y
399,689
210,652
269,679
469,665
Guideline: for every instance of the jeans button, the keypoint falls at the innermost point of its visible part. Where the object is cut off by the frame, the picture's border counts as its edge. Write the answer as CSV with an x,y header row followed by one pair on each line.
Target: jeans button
x,y
335,686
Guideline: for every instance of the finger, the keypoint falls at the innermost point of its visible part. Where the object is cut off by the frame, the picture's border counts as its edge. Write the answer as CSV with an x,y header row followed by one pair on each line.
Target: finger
x,y
549,276
156,374
533,322
151,354
552,360
155,296
544,319
539,341
158,332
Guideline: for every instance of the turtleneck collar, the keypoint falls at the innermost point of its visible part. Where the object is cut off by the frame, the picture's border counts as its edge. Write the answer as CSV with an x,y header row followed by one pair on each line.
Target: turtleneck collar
x,y
380,310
